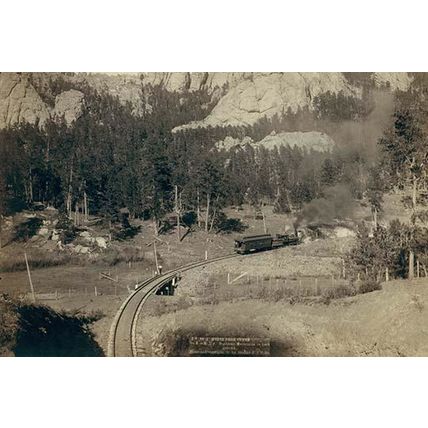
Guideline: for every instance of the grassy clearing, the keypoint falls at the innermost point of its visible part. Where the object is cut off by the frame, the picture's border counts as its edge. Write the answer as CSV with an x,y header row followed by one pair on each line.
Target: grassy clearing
x,y
122,255
277,288
292,292
39,259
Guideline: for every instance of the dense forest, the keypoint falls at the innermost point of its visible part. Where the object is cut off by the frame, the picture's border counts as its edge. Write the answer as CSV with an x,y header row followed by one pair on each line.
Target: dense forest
x,y
110,158
397,247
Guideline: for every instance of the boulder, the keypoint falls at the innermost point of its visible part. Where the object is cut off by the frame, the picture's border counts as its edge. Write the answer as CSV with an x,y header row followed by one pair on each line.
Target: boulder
x,y
101,242
80,249
43,231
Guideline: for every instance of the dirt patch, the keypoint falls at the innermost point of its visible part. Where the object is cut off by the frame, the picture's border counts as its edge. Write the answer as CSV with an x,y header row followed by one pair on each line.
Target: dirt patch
x,y
382,323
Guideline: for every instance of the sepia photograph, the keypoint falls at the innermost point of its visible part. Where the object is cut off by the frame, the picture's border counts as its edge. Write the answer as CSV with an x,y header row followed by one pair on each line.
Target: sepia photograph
x,y
214,214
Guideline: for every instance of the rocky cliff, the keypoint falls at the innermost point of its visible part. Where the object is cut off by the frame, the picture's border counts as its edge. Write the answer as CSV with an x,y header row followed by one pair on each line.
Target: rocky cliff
x,y
313,140
260,95
241,98
19,101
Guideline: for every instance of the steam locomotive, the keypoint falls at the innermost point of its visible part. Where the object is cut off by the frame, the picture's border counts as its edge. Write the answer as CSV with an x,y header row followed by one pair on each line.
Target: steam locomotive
x,y
249,244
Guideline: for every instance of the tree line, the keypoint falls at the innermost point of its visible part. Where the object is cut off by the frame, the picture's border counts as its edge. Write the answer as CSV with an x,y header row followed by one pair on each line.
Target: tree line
x,y
109,158
397,248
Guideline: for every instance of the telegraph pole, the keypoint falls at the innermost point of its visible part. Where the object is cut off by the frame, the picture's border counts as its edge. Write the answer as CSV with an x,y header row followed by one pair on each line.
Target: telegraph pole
x,y
29,279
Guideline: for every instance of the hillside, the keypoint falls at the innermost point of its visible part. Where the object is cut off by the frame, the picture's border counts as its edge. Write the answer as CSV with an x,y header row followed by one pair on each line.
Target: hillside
x,y
239,98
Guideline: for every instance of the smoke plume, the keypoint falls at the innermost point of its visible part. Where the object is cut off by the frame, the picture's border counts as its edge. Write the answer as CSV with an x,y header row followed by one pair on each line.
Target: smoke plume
x,y
337,204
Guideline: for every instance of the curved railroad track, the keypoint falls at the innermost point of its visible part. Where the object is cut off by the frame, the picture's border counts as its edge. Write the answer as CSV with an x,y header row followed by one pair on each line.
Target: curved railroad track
x,y
122,338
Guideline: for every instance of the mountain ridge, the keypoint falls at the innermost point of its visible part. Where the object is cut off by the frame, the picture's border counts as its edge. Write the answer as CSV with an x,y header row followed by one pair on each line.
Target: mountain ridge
x,y
241,98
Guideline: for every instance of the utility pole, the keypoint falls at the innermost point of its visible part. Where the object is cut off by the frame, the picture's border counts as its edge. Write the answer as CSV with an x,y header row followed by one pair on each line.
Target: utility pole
x,y
33,294
264,221
156,257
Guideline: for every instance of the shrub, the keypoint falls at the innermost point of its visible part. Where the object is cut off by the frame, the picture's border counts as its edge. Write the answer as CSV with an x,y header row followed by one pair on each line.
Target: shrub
x,y
170,342
338,293
228,225
189,218
124,254
369,286
126,233
68,230
27,229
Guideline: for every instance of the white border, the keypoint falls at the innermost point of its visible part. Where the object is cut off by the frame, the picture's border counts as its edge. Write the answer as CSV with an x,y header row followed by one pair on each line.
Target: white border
x,y
223,35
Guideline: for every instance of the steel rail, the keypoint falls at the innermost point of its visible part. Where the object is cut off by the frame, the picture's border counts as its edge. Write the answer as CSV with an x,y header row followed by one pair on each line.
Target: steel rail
x,y
122,337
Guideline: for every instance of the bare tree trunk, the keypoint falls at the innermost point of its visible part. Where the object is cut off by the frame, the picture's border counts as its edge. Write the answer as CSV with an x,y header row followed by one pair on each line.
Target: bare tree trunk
x,y
287,193
155,226
212,220
177,211
411,265
76,214
85,206
411,253
207,216
198,209
414,193
70,188
30,187
387,274
375,218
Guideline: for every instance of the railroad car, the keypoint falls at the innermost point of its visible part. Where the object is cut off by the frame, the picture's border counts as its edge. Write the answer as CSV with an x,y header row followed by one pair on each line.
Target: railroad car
x,y
248,244
253,243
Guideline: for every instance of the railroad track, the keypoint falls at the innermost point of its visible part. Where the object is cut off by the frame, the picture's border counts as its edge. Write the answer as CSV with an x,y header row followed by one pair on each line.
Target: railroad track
x,y
122,338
